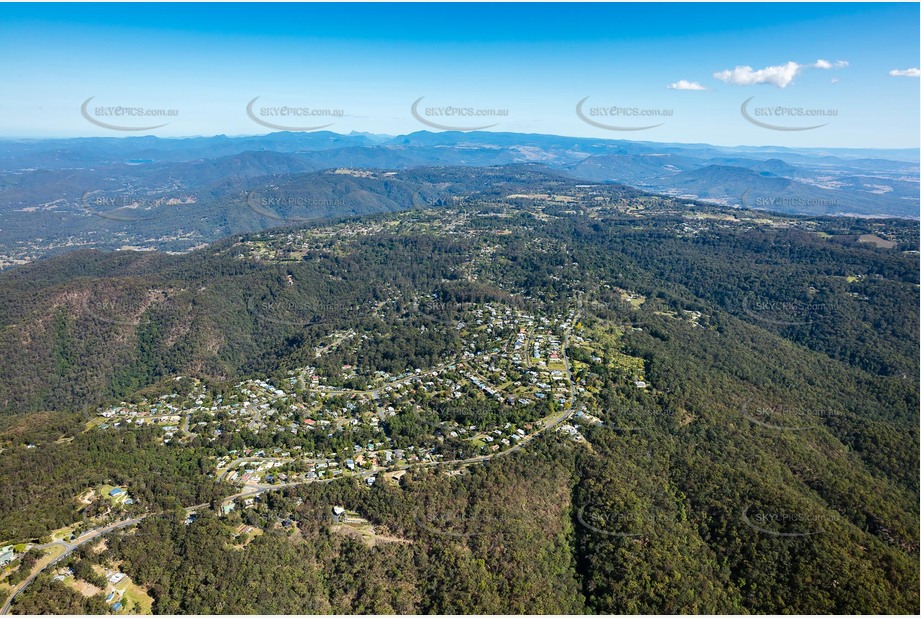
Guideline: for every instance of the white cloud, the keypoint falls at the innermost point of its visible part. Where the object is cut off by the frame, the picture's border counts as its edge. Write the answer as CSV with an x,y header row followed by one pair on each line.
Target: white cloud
x,y
915,72
781,75
683,84
825,64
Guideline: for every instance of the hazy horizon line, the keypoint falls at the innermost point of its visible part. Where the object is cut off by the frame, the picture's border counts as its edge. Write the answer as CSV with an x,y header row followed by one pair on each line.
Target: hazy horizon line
x,y
387,136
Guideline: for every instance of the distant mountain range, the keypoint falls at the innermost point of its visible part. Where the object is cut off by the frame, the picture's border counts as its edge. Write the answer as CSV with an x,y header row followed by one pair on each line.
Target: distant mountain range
x,y
174,194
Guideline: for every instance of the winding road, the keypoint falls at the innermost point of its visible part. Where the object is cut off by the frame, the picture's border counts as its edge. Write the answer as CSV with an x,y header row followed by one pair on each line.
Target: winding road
x,y
250,491
69,547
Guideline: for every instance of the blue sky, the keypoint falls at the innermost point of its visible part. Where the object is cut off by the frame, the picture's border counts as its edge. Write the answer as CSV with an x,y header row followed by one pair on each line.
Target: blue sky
x,y
535,62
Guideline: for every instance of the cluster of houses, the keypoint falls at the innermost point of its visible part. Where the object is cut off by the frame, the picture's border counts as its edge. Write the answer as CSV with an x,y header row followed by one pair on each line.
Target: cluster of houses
x,y
497,363
115,597
166,417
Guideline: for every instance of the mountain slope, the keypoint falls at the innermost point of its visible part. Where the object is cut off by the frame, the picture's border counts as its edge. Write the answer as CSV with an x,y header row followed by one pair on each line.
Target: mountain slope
x,y
768,464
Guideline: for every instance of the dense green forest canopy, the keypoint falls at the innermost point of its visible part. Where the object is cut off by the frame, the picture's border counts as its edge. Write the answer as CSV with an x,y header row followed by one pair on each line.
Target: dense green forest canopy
x,y
771,466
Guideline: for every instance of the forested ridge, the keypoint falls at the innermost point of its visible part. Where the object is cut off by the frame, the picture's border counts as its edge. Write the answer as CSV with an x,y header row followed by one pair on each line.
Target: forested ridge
x,y
771,467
